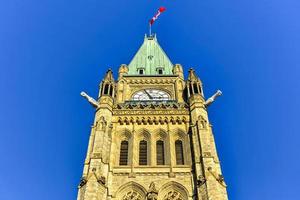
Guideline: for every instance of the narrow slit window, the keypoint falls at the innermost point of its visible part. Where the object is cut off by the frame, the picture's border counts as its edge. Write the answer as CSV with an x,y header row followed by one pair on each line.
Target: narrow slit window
x,y
124,153
179,152
160,71
160,156
143,153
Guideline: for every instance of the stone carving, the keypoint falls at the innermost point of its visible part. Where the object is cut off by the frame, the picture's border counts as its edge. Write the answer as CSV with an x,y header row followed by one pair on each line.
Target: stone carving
x,y
92,101
101,125
207,154
213,98
173,195
153,81
218,177
153,119
101,180
82,182
203,122
152,192
132,195
200,180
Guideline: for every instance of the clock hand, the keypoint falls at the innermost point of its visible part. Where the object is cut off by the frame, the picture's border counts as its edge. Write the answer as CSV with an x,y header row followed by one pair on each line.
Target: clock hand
x,y
148,94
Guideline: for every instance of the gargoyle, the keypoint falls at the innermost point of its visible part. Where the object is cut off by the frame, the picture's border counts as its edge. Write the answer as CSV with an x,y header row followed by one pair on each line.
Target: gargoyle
x,y
92,101
211,99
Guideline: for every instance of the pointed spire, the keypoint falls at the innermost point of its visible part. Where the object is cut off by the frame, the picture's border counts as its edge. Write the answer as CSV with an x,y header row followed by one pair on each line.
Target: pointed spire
x,y
177,70
192,76
150,59
109,76
194,84
122,70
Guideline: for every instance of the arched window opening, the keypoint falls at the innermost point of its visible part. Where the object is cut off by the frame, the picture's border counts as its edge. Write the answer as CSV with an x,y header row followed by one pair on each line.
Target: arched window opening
x,y
141,71
196,88
106,89
124,153
111,90
159,70
191,90
160,153
179,152
143,153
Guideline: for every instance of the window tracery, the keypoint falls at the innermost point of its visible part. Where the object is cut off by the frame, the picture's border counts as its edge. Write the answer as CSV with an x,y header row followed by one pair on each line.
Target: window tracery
x,y
132,195
173,195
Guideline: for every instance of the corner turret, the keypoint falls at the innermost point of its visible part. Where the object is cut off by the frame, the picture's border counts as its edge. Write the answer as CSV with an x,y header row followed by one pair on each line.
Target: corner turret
x,y
194,84
107,87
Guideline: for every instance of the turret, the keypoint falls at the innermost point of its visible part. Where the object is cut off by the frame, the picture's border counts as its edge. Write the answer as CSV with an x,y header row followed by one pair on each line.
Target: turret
x,y
194,84
122,70
177,70
107,86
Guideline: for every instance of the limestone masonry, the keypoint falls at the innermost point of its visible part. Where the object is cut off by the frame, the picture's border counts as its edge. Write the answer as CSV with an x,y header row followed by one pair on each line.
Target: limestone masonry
x,y
151,138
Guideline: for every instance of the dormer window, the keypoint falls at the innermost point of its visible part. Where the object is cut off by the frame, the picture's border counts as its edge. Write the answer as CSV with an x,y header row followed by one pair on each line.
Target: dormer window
x,y
160,71
141,71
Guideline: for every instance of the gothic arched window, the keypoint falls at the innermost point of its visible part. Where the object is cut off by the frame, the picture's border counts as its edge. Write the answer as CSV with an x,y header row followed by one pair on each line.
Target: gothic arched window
x,y
196,88
111,90
124,153
160,153
143,153
105,91
179,152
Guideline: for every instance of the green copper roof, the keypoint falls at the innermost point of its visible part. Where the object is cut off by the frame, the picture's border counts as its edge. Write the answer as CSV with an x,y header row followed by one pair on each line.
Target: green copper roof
x,y
150,57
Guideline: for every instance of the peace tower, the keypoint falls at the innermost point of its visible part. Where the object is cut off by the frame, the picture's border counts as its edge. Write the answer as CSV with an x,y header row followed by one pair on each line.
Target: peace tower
x,y
151,138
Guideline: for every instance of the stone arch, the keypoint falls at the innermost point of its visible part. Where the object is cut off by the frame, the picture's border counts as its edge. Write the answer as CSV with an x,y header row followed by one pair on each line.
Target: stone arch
x,y
131,190
161,146
169,92
160,134
178,134
124,134
143,134
173,191
203,122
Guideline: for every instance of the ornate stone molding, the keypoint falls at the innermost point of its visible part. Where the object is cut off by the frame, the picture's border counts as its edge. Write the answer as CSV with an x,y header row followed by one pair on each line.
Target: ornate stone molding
x,y
150,119
151,174
150,80
152,192
153,105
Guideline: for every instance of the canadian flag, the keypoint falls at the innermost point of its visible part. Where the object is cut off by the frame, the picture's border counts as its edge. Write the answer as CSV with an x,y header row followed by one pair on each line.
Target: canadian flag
x,y
159,11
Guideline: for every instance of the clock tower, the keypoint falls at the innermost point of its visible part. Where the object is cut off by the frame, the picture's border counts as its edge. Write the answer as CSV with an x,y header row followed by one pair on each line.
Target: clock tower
x,y
151,138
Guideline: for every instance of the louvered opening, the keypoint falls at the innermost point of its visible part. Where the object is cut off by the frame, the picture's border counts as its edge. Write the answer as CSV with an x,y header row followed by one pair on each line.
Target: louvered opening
x,y
124,153
143,153
160,156
179,152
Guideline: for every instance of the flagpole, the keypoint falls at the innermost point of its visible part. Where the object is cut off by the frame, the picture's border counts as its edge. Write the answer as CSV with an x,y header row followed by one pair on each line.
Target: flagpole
x,y
149,30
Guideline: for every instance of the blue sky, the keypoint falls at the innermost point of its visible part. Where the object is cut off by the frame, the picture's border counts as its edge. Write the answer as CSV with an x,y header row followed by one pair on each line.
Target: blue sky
x,y
51,50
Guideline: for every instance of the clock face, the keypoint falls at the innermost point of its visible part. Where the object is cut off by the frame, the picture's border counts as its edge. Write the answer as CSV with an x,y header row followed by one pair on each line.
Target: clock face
x,y
151,95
